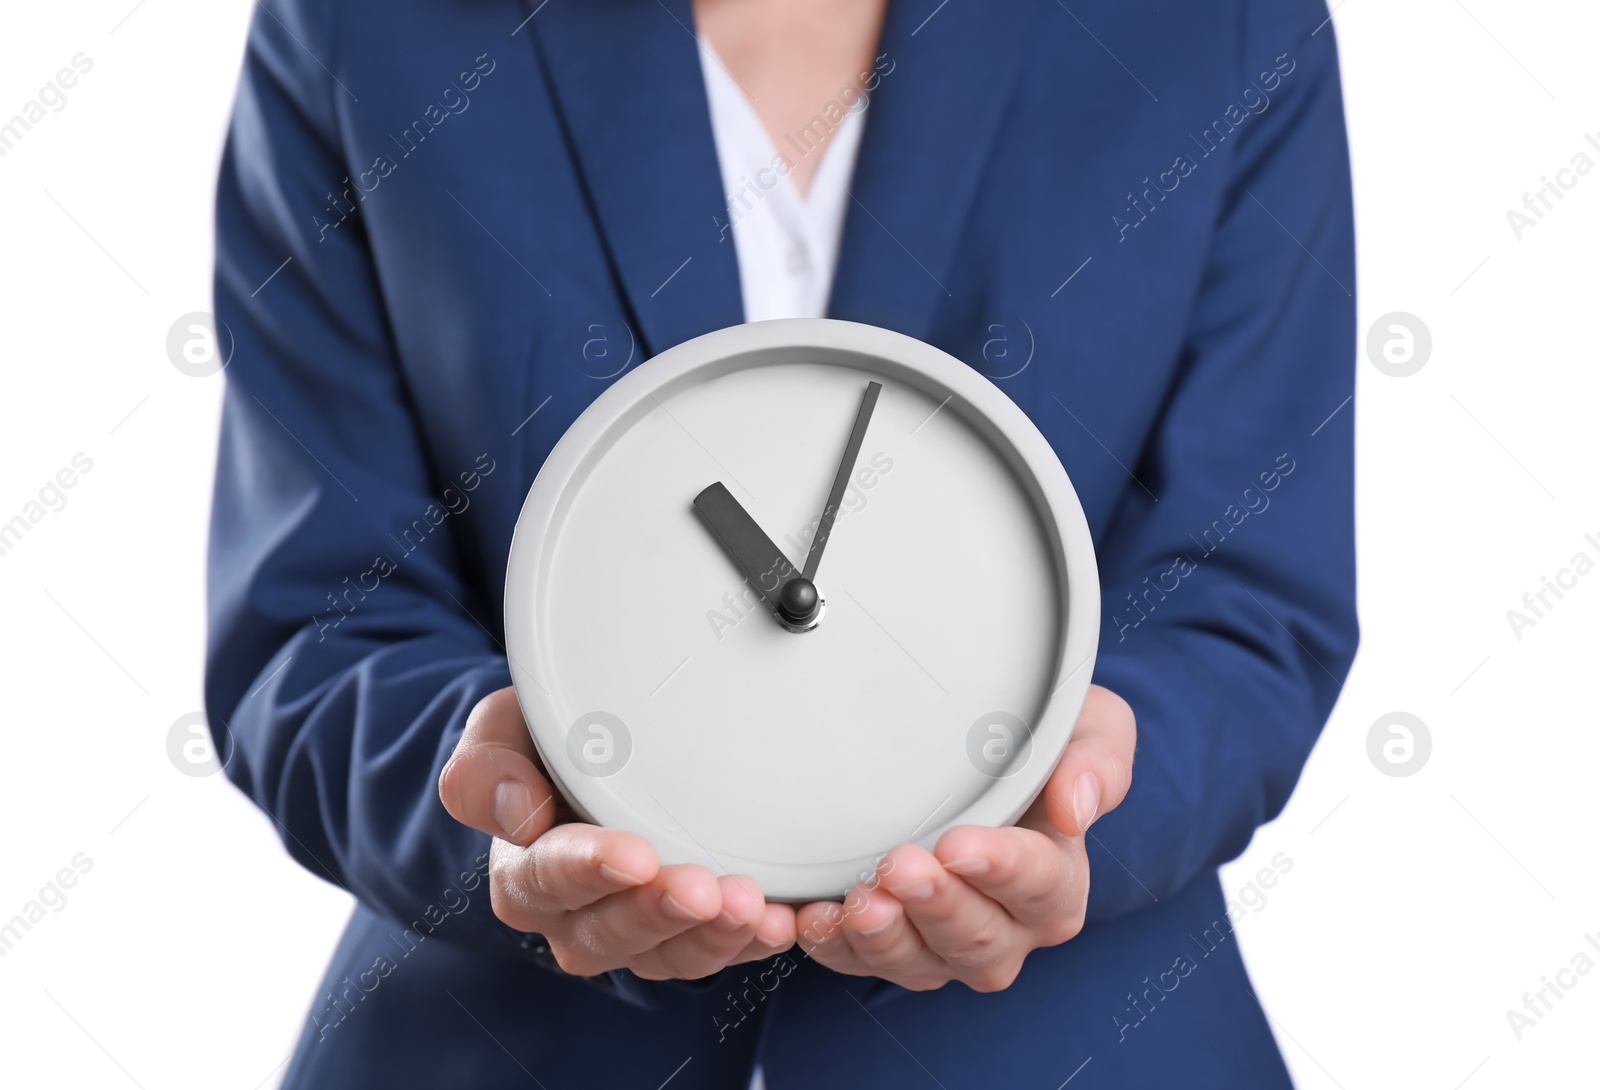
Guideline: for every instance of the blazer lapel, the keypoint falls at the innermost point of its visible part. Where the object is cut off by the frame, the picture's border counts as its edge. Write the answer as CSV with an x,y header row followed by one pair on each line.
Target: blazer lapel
x,y
930,125
625,75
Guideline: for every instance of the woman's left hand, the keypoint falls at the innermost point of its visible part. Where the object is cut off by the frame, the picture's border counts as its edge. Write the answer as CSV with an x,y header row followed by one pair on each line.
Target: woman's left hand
x,y
973,908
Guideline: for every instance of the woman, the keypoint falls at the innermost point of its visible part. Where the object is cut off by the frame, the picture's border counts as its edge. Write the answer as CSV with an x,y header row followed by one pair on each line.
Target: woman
x,y
443,229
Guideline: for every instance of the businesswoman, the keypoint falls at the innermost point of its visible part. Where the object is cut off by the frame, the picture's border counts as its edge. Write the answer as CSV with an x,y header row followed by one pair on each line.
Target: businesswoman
x,y
443,229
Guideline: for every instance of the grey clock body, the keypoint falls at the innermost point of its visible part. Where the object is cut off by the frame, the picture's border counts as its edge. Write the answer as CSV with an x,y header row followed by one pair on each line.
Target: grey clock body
x,y
953,656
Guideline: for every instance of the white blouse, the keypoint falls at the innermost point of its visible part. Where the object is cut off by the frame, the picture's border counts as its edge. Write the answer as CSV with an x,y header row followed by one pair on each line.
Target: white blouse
x,y
788,246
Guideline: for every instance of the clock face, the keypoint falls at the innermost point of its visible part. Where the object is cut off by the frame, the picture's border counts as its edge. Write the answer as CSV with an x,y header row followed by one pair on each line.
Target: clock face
x,y
934,679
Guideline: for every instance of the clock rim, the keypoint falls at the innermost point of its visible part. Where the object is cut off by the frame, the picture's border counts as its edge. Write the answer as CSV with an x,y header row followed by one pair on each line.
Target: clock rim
x,y
983,406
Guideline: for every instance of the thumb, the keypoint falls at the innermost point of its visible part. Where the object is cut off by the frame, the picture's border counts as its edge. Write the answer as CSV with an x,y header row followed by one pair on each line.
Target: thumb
x,y
1094,774
493,781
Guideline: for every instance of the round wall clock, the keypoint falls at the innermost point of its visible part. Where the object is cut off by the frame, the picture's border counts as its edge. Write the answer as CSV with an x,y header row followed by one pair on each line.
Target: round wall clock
x,y
795,592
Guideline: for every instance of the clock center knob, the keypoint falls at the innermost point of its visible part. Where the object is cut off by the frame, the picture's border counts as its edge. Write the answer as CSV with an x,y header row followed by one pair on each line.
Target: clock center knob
x,y
798,602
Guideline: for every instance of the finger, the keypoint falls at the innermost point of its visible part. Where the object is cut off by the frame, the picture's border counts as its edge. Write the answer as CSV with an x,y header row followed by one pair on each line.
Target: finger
x,y
774,935
1094,774
959,924
575,865
710,947
522,899
614,930
1037,878
819,932
884,940
493,782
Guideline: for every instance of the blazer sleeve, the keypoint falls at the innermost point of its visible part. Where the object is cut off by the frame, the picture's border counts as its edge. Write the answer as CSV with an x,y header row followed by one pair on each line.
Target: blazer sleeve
x,y
337,684
1229,598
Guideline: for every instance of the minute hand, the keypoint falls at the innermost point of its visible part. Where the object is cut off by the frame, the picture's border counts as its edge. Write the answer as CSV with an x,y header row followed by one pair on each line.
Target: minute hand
x,y
841,480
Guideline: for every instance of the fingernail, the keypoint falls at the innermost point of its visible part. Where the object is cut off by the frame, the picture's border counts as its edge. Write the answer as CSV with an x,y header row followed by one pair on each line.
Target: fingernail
x,y
677,909
621,878
874,932
1086,801
727,921
914,891
513,806
969,867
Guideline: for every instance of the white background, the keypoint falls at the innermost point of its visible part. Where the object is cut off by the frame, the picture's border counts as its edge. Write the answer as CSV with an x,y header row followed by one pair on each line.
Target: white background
x,y
1418,909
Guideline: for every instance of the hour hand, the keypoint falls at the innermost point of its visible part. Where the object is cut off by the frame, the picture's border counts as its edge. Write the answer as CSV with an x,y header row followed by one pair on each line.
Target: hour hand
x,y
762,562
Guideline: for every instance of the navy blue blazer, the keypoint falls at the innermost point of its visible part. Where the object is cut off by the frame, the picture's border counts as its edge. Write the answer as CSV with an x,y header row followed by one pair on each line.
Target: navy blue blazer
x,y
444,228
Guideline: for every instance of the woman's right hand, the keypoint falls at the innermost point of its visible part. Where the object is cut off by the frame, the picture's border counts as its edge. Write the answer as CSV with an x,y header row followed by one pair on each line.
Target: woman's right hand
x,y
600,897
